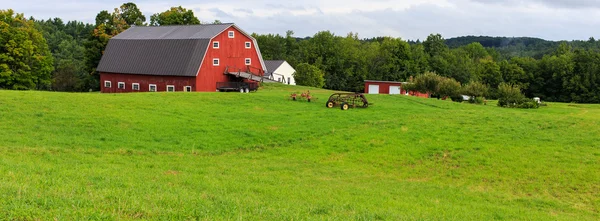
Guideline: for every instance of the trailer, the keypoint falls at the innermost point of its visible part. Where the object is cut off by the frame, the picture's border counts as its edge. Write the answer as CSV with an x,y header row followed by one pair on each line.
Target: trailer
x,y
237,86
347,100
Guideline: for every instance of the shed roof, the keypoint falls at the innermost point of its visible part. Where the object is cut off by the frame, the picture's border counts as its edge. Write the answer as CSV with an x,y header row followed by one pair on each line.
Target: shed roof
x,y
162,50
272,65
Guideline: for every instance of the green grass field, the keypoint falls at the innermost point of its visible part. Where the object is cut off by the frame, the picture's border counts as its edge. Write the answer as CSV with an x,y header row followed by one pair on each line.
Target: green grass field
x,y
260,156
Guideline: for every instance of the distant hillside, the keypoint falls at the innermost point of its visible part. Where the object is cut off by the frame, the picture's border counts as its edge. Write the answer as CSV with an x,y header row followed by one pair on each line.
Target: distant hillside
x,y
497,42
508,46
519,46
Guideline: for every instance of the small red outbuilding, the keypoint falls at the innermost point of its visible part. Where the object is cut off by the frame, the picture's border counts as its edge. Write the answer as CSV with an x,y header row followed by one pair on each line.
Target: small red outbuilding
x,y
389,87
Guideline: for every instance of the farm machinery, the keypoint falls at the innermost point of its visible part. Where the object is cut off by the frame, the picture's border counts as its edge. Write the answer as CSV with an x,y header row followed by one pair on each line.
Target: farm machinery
x,y
347,100
301,96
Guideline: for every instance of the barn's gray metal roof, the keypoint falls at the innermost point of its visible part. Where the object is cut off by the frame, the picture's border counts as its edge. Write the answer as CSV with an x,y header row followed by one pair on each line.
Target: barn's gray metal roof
x,y
162,50
272,65
172,32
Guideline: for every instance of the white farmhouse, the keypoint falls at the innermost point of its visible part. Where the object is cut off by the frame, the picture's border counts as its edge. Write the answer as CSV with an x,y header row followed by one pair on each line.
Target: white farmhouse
x,y
280,71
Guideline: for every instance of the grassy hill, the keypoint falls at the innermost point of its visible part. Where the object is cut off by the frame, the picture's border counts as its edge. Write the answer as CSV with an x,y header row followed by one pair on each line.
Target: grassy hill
x,y
260,156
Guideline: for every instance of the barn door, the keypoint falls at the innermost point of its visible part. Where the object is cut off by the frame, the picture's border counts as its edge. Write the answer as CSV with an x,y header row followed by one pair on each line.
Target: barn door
x,y
373,89
394,89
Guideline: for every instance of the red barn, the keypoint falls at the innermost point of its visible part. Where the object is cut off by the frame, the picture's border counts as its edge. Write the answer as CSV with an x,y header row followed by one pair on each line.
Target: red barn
x,y
181,58
389,87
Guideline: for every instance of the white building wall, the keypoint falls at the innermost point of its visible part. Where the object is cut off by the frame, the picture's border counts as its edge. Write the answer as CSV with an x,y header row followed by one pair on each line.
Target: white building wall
x,y
287,71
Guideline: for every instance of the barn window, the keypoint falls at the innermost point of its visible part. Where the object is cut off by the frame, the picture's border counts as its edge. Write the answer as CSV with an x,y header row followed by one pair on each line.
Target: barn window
x,y
187,88
248,44
135,86
248,61
216,44
121,85
152,87
170,88
215,62
107,84
231,34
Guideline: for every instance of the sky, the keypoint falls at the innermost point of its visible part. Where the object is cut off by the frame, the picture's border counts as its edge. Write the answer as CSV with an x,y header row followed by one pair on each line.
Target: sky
x,y
407,19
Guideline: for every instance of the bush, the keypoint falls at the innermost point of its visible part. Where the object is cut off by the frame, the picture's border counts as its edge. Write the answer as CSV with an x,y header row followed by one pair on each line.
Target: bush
x,y
448,87
510,96
528,104
427,83
457,98
476,100
476,89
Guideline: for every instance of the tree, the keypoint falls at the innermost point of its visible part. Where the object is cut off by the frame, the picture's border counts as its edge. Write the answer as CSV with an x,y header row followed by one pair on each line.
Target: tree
x,y
509,95
107,26
435,45
427,83
174,16
514,74
132,14
25,60
448,87
475,51
475,89
489,72
309,75
392,60
419,60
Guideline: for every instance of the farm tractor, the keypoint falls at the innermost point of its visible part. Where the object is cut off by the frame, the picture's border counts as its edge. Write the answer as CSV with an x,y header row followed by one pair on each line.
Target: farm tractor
x,y
347,100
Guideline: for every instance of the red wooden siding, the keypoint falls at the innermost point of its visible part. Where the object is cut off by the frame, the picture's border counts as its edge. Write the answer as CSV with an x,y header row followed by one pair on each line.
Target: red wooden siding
x,y
144,81
384,88
232,52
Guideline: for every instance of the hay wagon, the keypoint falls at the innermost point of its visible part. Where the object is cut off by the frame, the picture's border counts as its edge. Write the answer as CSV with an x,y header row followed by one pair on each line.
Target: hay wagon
x,y
347,100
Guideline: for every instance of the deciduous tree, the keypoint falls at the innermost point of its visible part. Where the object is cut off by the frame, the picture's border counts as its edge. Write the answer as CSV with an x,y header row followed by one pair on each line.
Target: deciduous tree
x,y
309,75
25,60
174,16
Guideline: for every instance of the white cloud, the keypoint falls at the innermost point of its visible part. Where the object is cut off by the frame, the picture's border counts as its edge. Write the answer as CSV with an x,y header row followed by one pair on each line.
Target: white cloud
x,y
549,19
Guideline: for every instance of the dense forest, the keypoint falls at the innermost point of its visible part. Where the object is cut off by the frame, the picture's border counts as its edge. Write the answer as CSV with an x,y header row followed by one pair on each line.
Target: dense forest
x,y
62,56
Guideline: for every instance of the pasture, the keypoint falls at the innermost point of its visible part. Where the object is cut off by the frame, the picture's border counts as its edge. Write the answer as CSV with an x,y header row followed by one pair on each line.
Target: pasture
x,y
260,156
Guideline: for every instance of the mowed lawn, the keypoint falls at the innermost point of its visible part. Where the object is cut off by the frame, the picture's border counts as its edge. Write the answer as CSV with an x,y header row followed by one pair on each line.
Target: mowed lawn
x,y
260,156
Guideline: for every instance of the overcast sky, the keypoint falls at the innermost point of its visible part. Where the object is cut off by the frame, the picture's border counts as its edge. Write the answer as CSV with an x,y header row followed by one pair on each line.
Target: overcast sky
x,y
408,19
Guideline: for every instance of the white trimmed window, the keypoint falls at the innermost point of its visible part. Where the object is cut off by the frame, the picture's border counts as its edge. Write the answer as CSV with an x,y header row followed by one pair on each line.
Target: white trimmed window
x,y
152,87
231,34
248,61
248,44
170,88
135,86
121,85
187,88
215,62
107,84
216,44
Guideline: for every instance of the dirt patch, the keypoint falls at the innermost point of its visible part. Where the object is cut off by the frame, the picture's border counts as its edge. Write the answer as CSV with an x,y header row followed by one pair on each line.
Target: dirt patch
x,y
172,172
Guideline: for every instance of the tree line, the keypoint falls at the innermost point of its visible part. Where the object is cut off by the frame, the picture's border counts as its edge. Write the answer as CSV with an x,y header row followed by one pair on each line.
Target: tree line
x,y
561,72
54,55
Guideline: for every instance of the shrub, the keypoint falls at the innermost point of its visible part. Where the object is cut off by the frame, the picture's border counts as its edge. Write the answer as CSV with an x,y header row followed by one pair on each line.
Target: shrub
x,y
449,87
476,89
510,95
427,83
457,98
476,100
